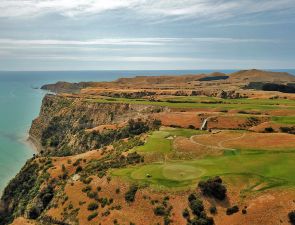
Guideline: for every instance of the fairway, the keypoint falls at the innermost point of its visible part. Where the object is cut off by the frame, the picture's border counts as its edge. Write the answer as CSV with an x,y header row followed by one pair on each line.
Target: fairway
x,y
266,169
289,120
207,103
159,141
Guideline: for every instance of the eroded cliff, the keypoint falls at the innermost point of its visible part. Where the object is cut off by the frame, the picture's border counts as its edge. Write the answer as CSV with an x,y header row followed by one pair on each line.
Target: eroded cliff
x,y
67,125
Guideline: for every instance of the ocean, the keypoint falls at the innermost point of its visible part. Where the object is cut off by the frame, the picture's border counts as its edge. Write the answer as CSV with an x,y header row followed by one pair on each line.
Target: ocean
x,y
20,103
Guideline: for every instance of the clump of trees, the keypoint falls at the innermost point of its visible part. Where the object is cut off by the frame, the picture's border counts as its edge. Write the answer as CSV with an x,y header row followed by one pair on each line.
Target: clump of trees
x,y
130,194
289,130
198,210
163,209
213,187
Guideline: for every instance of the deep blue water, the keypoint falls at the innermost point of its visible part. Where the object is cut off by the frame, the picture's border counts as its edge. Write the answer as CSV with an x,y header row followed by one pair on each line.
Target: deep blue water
x,y
20,104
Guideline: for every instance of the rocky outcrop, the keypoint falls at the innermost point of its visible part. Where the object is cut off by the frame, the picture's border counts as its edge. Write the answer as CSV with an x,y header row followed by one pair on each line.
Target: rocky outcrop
x,y
67,87
61,124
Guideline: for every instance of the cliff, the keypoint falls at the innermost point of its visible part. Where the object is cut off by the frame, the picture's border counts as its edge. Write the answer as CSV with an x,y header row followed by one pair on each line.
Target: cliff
x,y
66,126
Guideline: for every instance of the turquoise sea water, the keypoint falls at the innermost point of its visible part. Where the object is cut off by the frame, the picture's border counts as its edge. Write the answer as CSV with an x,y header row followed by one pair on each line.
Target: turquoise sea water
x,y
20,104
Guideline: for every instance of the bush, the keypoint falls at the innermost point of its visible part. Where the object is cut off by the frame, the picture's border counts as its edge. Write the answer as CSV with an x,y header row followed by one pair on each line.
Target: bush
x,y
202,221
232,210
197,206
213,188
291,216
185,213
157,123
87,188
92,206
191,127
92,194
290,130
159,211
92,216
192,197
130,194
213,210
78,169
269,129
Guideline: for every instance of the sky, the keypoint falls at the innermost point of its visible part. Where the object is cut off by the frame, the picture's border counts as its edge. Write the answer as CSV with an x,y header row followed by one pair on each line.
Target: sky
x,y
146,34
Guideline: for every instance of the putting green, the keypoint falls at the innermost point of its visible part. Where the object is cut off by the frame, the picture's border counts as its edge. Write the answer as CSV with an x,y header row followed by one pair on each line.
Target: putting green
x,y
181,172
270,168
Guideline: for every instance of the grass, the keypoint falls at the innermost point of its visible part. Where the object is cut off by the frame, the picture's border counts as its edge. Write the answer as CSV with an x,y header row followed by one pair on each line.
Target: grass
x,y
260,171
289,120
158,141
208,102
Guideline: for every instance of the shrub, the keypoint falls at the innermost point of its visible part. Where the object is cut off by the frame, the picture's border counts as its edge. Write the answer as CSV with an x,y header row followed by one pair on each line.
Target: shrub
x,y
104,202
213,188
159,211
290,130
269,129
213,210
78,169
185,213
192,197
63,167
92,194
92,206
232,210
291,216
130,194
191,127
202,221
87,188
98,188
157,123
92,216
197,206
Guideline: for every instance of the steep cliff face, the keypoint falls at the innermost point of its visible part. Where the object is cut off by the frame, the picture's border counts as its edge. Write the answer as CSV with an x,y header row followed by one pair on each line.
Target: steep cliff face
x,y
61,126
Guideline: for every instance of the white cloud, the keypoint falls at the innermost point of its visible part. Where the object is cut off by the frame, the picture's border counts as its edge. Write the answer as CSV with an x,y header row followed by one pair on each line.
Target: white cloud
x,y
145,8
130,41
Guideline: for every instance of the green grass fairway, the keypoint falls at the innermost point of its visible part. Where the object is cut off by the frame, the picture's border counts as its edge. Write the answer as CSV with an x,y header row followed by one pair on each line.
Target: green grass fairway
x,y
158,142
290,120
214,103
260,170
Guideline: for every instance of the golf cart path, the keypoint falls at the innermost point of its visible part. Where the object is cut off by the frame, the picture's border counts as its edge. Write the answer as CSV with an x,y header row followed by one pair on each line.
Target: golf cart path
x,y
219,145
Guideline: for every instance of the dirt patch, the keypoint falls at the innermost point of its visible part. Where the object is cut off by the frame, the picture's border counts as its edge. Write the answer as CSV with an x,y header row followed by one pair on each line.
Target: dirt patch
x,y
185,145
268,208
23,221
181,119
250,140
